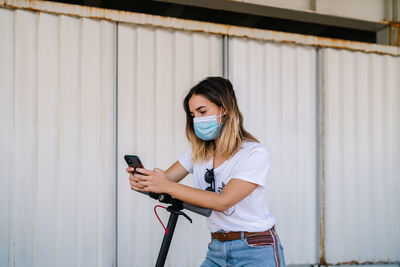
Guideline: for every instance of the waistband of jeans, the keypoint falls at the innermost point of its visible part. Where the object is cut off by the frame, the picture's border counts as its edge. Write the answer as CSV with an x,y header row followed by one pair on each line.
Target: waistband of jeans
x,y
228,236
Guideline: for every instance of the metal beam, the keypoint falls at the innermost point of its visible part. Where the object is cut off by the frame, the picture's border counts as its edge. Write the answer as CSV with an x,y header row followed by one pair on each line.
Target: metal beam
x,y
284,13
197,26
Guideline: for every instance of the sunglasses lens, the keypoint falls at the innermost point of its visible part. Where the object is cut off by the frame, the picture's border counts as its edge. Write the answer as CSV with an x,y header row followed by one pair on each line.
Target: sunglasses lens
x,y
209,176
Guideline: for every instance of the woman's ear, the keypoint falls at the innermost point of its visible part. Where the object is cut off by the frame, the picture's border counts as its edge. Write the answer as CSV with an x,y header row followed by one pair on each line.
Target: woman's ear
x,y
223,111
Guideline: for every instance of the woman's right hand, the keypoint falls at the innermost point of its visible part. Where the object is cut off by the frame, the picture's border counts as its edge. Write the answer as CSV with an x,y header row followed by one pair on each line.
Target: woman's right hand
x,y
134,183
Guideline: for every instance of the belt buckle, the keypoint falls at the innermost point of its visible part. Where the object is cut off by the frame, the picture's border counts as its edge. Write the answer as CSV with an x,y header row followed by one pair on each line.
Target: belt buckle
x,y
220,239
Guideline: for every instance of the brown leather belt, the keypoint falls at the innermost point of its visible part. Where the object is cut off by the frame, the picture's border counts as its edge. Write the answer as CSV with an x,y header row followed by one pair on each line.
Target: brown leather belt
x,y
222,237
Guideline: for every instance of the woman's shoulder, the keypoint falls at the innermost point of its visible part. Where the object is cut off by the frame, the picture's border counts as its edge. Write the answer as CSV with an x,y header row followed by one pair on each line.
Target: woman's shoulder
x,y
250,147
252,155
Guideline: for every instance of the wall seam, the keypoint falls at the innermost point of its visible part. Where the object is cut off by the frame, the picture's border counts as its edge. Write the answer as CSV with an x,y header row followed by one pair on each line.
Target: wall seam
x,y
225,56
116,146
320,157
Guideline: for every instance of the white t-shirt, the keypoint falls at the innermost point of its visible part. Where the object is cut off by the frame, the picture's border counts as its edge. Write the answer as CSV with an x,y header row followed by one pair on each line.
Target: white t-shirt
x,y
251,163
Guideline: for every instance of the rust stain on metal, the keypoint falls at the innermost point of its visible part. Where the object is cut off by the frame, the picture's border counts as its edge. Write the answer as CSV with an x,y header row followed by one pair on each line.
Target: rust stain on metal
x,y
354,262
394,27
321,145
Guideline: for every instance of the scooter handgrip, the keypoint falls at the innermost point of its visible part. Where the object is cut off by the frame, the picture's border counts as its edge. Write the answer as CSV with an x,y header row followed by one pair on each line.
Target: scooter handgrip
x,y
150,194
202,211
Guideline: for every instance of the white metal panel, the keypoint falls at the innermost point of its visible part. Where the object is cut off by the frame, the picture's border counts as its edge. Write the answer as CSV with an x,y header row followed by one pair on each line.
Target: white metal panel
x,y
47,102
25,179
6,132
58,124
276,90
361,175
155,69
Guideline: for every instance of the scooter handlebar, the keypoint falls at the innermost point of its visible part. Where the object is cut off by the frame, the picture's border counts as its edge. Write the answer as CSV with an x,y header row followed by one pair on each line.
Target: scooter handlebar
x,y
165,198
196,209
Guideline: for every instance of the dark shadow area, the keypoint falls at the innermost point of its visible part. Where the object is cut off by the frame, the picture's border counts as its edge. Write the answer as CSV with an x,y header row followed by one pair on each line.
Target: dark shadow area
x,y
230,18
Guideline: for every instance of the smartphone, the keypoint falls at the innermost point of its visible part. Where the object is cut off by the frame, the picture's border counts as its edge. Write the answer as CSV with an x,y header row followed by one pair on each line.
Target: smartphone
x,y
133,161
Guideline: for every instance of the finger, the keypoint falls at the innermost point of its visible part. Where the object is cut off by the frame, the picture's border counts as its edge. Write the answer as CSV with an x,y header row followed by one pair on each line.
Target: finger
x,y
144,171
137,188
141,177
135,184
157,170
130,169
144,184
132,178
133,181
147,189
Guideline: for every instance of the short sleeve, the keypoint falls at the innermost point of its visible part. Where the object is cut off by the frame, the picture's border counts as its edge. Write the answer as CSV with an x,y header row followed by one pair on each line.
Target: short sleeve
x,y
186,160
253,167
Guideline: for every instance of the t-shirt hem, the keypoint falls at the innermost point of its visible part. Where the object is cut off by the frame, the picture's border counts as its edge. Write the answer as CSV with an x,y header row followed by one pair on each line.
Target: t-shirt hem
x,y
255,229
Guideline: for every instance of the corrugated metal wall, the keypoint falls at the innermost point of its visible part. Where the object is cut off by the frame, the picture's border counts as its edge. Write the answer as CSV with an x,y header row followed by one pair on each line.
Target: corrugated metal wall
x,y
75,90
276,90
361,97
155,69
57,162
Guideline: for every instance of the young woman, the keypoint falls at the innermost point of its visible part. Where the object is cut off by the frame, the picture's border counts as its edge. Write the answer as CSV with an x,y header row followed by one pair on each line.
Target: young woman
x,y
230,169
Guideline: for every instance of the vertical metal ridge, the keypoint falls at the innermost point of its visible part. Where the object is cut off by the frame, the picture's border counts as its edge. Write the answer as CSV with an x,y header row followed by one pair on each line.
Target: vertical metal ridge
x,y
35,113
57,185
12,205
116,26
135,35
154,84
296,116
265,85
192,58
155,118
101,150
280,110
174,91
225,56
320,150
355,103
78,179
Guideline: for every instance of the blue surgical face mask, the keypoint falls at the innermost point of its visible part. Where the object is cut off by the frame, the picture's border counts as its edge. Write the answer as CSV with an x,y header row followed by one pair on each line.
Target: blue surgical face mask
x,y
207,128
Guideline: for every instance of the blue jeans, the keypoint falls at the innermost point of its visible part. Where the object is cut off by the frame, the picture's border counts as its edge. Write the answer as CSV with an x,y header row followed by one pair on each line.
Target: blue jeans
x,y
239,252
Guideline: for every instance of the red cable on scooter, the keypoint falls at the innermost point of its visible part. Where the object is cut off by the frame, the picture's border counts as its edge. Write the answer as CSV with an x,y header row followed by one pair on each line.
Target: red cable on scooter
x,y
155,211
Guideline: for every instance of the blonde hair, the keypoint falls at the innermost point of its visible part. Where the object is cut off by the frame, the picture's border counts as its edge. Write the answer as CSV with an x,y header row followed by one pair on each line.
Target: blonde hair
x,y
219,91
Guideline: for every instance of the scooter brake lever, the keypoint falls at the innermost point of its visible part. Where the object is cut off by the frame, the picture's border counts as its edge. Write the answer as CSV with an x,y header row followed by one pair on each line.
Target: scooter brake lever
x,y
186,216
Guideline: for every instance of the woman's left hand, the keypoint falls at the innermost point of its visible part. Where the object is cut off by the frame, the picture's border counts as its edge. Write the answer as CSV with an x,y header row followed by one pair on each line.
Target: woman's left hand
x,y
151,181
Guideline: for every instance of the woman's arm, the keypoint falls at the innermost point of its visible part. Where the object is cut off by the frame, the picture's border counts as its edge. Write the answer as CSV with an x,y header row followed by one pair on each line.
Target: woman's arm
x,y
235,191
158,182
176,172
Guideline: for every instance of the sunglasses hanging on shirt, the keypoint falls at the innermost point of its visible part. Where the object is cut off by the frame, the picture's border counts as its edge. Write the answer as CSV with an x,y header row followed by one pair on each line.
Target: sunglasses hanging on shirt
x,y
209,178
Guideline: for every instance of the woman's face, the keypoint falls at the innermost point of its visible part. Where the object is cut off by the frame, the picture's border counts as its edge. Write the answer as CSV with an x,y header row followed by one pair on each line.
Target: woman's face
x,y
200,106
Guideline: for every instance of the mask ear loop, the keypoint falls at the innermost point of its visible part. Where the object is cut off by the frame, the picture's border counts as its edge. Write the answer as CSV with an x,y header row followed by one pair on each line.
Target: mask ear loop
x,y
220,115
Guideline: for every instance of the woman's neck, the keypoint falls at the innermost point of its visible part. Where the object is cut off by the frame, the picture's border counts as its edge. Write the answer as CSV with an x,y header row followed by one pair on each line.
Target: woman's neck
x,y
216,143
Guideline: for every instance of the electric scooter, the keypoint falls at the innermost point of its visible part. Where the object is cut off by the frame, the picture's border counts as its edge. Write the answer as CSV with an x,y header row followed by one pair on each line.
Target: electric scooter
x,y
175,209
